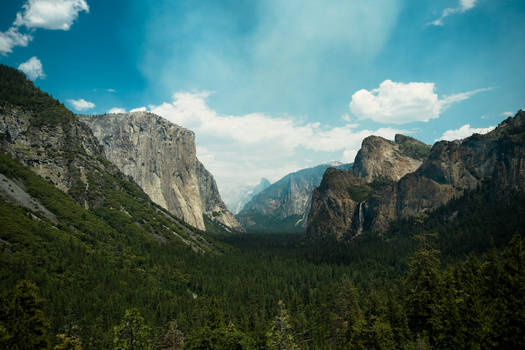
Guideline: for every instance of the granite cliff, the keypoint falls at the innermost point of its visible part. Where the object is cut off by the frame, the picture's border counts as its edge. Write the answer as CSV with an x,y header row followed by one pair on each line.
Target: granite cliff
x,y
161,158
338,204
284,205
496,159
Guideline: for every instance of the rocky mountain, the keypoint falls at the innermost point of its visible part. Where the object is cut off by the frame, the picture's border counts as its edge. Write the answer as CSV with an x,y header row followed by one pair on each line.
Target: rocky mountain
x,y
40,133
338,203
496,160
161,158
235,199
284,206
380,158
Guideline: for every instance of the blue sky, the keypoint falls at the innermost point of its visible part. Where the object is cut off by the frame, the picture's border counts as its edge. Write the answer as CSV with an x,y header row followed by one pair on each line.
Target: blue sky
x,y
272,86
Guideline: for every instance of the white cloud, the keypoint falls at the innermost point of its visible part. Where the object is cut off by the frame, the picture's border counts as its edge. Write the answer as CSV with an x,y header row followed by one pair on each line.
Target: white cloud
x,y
11,38
240,149
50,14
507,114
47,14
116,110
462,132
139,109
81,104
111,90
399,103
463,6
32,68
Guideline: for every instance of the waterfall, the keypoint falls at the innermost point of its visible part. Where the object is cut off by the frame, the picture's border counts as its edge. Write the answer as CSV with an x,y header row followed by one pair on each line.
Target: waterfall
x,y
361,219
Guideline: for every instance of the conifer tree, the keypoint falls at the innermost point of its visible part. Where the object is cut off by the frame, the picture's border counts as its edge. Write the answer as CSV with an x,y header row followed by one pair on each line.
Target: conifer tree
x,y
132,333
173,338
25,325
281,334
423,283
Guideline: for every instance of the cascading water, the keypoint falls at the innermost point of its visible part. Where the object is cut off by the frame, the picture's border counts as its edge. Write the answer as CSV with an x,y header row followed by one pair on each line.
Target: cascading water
x,y
361,219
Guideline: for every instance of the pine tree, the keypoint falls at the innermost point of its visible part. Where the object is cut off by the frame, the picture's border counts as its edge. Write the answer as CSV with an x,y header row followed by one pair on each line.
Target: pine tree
x,y
348,320
281,334
132,333
423,284
173,338
25,324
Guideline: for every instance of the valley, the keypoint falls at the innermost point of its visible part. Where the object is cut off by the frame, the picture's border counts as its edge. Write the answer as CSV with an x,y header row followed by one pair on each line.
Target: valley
x,y
113,233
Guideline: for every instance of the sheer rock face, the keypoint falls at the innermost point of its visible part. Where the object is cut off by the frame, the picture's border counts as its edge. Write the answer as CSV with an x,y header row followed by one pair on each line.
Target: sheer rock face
x,y
339,204
380,158
496,158
284,205
161,158
334,203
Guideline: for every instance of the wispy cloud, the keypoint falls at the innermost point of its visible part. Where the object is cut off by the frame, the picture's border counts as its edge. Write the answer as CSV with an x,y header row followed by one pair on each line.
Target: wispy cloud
x,y
45,14
462,132
81,104
507,114
11,38
32,68
400,103
463,6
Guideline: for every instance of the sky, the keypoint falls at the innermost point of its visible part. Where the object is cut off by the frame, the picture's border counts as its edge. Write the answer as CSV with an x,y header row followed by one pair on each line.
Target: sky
x,y
274,86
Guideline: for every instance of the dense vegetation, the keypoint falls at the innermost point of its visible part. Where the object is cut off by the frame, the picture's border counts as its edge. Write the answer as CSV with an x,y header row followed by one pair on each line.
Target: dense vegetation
x,y
17,90
96,285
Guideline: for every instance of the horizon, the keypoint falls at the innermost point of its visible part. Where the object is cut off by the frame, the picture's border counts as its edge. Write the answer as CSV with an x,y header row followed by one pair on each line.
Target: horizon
x,y
270,88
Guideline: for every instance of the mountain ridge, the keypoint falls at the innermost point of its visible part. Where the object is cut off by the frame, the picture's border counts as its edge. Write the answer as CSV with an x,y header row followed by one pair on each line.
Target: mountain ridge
x,y
284,205
449,169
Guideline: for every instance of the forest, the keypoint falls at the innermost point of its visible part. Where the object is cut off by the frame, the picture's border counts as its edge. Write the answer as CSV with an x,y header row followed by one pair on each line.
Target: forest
x,y
431,282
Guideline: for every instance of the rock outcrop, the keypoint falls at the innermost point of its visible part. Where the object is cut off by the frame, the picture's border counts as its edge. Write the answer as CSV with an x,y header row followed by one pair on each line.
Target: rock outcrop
x,y
496,159
380,158
284,205
161,158
339,204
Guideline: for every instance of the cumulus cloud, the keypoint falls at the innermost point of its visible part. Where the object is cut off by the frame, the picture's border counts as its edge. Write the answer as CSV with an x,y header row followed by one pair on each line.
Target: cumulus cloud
x,y
81,104
462,132
463,6
46,14
239,149
50,14
400,103
11,38
32,68
116,110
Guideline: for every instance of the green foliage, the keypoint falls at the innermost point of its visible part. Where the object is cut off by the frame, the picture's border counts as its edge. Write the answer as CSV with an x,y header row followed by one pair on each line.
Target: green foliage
x,y
24,324
359,193
172,337
132,333
281,334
